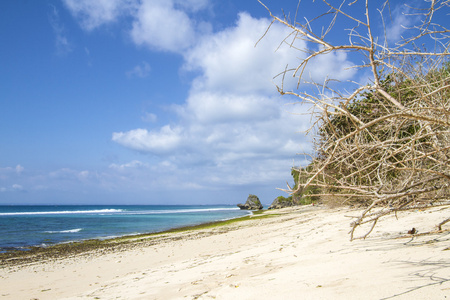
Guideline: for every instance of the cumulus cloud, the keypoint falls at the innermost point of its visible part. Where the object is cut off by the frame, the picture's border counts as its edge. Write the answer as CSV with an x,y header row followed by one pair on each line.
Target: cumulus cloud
x,y
233,128
165,140
164,25
229,60
334,65
208,107
161,26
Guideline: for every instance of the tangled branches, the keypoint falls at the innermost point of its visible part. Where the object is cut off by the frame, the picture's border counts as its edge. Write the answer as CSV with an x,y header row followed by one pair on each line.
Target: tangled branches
x,y
386,145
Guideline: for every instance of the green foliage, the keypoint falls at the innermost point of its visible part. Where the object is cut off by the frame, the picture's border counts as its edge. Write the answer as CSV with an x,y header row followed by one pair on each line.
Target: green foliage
x,y
306,196
284,199
383,146
369,106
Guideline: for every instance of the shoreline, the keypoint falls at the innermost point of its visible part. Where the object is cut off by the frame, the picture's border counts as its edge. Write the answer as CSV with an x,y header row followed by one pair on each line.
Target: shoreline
x,y
89,242
296,253
32,254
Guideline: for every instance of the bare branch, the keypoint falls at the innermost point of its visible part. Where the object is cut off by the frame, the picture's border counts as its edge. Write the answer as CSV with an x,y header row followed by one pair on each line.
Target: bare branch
x,y
385,145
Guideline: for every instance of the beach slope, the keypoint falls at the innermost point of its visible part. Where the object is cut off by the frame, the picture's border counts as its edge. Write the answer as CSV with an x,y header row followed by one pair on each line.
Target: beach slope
x,y
298,253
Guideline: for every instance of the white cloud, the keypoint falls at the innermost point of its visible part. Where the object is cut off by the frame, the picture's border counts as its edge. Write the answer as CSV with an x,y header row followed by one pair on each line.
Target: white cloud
x,y
17,187
226,151
233,128
93,14
8,172
72,175
192,5
62,44
149,117
212,107
131,165
230,61
13,188
164,25
398,23
84,175
331,65
19,169
142,70
159,25
167,139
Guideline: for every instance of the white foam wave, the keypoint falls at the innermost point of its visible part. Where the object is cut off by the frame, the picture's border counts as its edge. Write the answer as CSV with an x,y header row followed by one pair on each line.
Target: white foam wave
x,y
66,231
179,211
62,212
128,212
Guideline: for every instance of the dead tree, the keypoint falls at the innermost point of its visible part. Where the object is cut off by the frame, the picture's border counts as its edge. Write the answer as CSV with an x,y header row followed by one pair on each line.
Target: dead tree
x,y
386,144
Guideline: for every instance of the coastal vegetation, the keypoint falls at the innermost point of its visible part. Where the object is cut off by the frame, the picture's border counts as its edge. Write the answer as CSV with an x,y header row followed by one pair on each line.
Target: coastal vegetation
x,y
383,145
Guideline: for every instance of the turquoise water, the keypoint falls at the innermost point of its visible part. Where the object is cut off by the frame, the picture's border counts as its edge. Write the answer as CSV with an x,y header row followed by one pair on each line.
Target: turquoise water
x,y
25,226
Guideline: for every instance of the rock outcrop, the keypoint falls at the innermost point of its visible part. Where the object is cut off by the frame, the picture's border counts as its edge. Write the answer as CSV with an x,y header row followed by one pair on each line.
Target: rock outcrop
x,y
282,202
252,203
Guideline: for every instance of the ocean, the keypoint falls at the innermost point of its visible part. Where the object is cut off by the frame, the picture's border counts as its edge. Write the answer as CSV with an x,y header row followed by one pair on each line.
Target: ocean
x,y
24,226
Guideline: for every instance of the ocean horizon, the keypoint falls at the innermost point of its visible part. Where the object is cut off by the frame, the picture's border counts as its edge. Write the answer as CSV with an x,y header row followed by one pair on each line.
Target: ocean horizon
x,y
25,226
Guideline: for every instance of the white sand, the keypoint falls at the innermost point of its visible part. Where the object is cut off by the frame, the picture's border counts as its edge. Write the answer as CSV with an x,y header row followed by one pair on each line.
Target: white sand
x,y
302,254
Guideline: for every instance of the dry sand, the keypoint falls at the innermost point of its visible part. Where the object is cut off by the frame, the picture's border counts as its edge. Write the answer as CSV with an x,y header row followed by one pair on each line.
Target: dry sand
x,y
301,253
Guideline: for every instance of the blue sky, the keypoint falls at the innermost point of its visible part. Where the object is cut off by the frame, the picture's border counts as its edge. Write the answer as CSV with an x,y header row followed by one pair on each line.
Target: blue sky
x,y
147,102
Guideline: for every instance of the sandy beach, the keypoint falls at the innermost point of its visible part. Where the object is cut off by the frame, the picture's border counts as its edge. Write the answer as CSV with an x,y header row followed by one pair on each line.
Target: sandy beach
x,y
301,253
